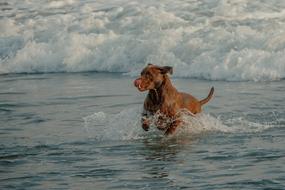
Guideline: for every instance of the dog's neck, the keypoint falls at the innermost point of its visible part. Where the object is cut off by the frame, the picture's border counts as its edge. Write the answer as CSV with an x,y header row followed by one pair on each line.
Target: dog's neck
x,y
164,91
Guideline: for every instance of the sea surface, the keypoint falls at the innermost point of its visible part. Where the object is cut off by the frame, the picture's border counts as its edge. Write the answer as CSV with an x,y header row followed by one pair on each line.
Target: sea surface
x,y
70,115
82,131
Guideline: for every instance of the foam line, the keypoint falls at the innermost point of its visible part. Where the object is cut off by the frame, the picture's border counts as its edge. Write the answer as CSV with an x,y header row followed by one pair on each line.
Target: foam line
x,y
219,40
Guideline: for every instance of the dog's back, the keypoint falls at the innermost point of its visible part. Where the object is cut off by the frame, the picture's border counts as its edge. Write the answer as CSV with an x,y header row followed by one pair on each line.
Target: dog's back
x,y
164,97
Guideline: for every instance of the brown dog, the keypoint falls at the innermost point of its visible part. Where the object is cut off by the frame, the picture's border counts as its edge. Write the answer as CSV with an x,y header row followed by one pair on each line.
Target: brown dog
x,y
164,98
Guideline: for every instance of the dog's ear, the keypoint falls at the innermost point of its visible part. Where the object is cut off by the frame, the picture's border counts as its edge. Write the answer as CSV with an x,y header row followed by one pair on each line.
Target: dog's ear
x,y
166,69
149,64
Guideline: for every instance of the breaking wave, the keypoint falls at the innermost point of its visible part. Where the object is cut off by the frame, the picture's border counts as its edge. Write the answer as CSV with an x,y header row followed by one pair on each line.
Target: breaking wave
x,y
215,40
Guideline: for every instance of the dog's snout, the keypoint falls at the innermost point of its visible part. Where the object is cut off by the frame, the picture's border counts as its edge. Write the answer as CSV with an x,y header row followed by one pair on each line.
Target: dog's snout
x,y
137,82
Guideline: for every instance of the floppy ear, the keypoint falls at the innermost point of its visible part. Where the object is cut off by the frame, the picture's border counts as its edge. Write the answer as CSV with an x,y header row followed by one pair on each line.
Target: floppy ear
x,y
166,69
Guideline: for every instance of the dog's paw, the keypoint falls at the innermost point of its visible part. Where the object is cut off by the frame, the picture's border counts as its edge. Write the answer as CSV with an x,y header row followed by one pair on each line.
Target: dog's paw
x,y
145,127
170,131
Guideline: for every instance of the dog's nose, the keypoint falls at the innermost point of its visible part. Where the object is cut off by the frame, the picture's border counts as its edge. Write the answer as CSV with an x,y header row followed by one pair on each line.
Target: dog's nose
x,y
137,82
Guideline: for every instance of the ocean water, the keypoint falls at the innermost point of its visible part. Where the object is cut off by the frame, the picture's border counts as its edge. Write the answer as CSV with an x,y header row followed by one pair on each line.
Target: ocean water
x,y
82,131
70,115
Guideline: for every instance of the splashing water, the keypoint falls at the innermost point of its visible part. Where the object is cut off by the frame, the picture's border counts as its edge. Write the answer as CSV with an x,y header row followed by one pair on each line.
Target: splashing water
x,y
121,126
125,125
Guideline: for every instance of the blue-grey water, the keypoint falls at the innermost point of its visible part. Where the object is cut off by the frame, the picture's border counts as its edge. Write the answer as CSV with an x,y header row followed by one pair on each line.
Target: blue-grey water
x,y
81,131
69,118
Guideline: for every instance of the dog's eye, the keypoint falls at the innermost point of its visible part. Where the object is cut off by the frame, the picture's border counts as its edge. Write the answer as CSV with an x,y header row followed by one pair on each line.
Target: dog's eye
x,y
147,74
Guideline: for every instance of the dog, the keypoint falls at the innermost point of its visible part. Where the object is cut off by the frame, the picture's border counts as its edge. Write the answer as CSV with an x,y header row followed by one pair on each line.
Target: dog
x,y
165,99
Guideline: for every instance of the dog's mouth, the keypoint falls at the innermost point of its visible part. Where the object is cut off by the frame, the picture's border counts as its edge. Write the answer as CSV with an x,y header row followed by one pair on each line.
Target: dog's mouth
x,y
140,88
138,84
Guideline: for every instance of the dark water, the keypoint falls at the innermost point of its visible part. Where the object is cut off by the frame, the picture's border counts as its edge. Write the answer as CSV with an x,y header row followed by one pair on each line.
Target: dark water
x,y
80,131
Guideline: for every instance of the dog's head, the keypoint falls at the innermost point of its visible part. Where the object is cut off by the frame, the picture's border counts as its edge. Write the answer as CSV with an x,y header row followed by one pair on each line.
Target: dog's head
x,y
152,76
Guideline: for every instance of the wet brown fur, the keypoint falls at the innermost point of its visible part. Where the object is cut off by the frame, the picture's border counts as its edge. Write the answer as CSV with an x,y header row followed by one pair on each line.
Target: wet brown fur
x,y
165,98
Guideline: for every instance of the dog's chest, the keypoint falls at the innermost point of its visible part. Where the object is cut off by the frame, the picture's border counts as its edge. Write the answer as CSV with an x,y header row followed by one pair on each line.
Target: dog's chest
x,y
153,107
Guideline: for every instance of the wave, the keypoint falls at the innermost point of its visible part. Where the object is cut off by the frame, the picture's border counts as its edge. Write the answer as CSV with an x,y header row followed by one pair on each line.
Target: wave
x,y
125,125
220,40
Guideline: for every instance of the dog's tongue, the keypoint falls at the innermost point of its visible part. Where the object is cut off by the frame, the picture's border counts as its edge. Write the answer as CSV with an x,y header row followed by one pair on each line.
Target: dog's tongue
x,y
137,82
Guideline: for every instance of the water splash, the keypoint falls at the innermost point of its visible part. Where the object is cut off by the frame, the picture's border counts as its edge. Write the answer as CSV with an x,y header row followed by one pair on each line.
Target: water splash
x,y
125,125
121,126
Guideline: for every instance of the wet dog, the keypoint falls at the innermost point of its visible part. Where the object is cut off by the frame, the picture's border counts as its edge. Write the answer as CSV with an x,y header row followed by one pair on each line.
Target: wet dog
x,y
164,98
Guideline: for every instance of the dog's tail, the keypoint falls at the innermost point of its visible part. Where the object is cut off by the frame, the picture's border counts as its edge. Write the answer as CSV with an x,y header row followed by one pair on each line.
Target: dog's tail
x,y
204,101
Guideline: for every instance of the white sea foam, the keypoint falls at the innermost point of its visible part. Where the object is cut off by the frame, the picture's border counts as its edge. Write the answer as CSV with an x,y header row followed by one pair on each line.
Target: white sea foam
x,y
215,40
121,126
125,125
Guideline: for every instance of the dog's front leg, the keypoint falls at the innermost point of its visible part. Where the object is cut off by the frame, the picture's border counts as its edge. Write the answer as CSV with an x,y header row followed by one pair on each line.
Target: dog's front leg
x,y
161,123
171,129
145,122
